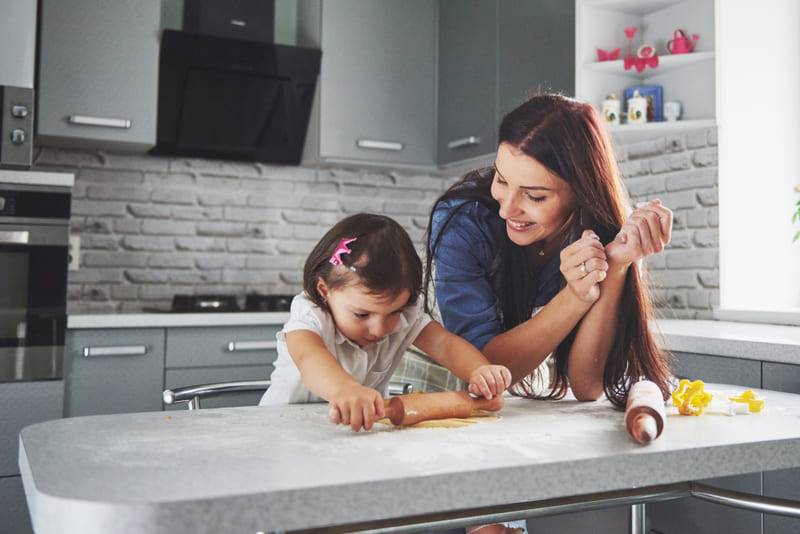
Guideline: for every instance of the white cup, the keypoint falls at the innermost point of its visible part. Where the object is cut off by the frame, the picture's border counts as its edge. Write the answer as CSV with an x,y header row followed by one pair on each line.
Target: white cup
x,y
672,111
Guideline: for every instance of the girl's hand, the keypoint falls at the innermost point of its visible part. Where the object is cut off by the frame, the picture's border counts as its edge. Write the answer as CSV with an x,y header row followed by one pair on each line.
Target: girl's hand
x,y
584,266
647,231
489,380
357,406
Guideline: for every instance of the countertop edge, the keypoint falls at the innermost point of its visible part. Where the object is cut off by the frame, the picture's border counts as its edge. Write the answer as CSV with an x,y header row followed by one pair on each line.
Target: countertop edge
x,y
172,320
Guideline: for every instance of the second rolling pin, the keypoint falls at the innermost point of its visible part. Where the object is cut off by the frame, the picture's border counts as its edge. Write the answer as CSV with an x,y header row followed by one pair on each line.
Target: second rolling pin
x,y
417,407
644,413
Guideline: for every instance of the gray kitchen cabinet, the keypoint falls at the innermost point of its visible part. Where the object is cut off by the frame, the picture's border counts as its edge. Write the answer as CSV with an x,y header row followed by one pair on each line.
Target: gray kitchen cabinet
x,y
692,515
377,81
467,79
784,483
98,73
113,371
14,517
221,346
23,404
536,50
175,378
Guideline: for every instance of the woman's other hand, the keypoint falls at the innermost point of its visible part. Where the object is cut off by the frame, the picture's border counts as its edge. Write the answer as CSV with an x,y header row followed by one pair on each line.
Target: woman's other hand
x,y
489,380
584,266
357,406
647,231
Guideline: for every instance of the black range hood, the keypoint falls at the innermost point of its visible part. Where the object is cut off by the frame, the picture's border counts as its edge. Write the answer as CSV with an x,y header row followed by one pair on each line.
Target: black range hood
x,y
234,99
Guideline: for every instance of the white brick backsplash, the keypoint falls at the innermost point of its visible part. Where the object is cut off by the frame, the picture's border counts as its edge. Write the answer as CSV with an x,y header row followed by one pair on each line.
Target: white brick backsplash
x,y
647,148
211,226
672,162
696,138
113,259
706,157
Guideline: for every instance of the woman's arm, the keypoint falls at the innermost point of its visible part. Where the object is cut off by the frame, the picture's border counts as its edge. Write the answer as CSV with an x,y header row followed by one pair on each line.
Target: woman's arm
x,y
646,232
463,359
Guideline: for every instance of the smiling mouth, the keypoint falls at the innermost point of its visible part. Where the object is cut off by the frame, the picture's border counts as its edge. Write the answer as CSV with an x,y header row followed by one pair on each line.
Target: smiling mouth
x,y
519,226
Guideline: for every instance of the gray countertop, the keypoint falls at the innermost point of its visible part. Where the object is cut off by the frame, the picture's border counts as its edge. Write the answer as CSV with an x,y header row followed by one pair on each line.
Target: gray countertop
x,y
763,342
280,468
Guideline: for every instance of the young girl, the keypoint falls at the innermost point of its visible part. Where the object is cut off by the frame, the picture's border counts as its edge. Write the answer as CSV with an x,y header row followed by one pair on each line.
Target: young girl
x,y
359,312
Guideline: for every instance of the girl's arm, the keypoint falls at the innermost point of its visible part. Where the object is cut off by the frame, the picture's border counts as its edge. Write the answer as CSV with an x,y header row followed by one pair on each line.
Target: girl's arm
x,y
464,360
355,405
646,232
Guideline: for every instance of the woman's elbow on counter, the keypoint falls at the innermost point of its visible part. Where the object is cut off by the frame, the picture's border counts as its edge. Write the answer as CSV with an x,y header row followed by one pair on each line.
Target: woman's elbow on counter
x,y
587,392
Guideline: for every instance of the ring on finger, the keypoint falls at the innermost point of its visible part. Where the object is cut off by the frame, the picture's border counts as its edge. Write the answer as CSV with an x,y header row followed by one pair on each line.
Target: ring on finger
x,y
583,269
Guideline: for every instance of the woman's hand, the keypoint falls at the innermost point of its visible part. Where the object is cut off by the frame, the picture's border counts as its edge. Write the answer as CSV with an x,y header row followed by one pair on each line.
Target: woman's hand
x,y
489,380
357,406
647,231
584,266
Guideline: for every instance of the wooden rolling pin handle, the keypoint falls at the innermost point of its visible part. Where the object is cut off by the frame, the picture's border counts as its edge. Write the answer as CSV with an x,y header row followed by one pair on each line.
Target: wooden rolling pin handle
x,y
644,414
417,407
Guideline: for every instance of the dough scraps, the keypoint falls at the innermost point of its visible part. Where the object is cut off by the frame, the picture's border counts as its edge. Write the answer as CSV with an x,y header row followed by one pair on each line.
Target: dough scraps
x,y
477,416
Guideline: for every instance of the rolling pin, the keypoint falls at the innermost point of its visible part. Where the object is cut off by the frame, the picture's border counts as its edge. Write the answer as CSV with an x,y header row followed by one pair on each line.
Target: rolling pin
x,y
410,409
644,413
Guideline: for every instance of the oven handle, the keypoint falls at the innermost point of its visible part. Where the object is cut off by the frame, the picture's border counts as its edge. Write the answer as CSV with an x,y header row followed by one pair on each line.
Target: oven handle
x,y
129,350
15,238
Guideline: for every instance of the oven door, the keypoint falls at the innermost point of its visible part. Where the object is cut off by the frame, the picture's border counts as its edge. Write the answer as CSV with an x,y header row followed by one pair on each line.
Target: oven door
x,y
33,294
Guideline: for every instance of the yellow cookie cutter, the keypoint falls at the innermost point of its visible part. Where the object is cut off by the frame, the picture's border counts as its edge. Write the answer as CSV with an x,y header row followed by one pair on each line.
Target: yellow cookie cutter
x,y
754,403
691,398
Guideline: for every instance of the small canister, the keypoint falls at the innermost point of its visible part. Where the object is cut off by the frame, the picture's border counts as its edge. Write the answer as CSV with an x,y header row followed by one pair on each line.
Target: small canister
x,y
611,109
637,109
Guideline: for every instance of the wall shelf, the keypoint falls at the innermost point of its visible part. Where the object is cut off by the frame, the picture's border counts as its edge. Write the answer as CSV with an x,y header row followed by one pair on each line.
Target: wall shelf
x,y
666,63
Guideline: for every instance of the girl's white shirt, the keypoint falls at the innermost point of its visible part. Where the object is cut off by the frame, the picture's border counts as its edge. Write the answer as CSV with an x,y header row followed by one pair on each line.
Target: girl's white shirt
x,y
371,366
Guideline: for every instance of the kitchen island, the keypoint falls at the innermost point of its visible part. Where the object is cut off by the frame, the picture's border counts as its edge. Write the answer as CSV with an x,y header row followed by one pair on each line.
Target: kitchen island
x,y
287,468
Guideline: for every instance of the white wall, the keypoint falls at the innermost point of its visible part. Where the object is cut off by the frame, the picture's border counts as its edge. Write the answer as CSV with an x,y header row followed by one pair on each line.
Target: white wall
x,y
758,112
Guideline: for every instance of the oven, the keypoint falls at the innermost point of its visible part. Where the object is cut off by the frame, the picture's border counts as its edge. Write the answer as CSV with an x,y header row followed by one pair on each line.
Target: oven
x,y
34,237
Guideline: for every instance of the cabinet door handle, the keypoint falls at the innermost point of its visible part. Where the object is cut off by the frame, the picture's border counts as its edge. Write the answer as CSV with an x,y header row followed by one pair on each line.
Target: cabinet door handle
x,y
379,145
105,122
240,346
127,350
466,141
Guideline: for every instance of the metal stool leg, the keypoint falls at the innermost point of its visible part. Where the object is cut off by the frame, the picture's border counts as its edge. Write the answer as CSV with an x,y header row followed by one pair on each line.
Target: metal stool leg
x,y
637,519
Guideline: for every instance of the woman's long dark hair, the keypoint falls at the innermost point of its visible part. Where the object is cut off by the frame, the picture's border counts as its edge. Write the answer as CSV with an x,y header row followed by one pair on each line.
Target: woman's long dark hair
x,y
568,138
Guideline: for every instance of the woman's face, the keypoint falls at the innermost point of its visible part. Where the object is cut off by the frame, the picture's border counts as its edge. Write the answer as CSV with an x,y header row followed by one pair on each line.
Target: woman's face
x,y
534,202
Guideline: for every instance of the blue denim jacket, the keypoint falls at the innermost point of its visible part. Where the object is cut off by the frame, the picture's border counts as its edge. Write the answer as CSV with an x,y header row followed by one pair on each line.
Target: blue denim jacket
x,y
468,303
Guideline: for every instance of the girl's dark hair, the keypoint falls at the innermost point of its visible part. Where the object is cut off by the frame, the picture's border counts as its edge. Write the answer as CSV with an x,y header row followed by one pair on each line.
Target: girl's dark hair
x,y
383,257
568,138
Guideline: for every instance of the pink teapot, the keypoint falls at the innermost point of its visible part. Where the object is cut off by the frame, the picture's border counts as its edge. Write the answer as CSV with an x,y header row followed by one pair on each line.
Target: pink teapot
x,y
681,44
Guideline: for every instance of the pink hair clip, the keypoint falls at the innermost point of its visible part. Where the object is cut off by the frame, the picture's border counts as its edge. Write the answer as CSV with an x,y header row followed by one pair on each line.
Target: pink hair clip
x,y
341,248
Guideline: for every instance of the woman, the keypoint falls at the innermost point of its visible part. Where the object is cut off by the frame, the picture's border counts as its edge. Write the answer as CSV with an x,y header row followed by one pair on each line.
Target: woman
x,y
545,229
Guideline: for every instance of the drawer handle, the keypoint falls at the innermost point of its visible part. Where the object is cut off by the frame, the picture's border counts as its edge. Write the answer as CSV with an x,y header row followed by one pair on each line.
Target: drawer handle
x,y
240,346
379,145
461,143
105,122
128,350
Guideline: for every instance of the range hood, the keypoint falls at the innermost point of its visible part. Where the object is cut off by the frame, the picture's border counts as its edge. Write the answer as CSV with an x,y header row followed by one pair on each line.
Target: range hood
x,y
234,99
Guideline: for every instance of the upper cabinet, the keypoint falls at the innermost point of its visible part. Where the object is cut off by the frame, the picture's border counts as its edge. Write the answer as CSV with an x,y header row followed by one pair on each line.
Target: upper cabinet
x,y
378,81
98,73
467,79
536,50
688,78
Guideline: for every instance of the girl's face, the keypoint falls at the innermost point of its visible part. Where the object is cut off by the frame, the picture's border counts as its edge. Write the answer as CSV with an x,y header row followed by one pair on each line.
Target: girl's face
x,y
534,202
362,317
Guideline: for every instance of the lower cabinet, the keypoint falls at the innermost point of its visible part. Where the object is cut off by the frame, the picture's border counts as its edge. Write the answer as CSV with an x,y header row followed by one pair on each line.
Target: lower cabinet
x,y
112,371
198,356
21,404
784,483
608,521
14,517
692,515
